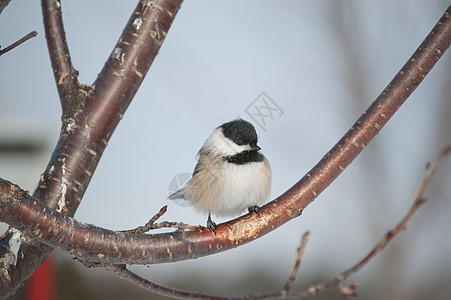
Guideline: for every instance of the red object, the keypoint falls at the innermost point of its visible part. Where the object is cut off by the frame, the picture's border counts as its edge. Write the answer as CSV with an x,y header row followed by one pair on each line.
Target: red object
x,y
42,284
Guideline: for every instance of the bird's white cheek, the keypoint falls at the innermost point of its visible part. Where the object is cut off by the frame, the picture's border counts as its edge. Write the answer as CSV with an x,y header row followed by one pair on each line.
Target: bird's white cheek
x,y
218,143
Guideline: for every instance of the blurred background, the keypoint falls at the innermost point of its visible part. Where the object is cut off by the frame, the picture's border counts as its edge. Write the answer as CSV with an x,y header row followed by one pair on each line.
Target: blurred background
x,y
318,65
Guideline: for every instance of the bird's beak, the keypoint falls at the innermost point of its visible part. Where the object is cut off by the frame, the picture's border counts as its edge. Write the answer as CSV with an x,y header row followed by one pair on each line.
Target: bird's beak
x,y
255,148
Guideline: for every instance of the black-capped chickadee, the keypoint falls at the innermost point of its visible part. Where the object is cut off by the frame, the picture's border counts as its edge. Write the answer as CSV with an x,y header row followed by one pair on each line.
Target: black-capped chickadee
x,y
231,174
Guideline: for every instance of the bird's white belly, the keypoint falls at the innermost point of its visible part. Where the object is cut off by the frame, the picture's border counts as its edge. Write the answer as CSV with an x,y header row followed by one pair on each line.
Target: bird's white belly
x,y
241,186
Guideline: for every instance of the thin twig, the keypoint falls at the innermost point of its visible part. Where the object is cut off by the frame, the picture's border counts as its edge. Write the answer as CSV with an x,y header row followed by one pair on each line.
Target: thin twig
x,y
419,200
148,225
21,41
178,225
162,290
295,270
151,225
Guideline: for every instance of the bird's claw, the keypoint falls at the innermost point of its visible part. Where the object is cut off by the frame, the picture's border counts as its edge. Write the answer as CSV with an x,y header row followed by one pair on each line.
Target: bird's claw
x,y
211,225
255,209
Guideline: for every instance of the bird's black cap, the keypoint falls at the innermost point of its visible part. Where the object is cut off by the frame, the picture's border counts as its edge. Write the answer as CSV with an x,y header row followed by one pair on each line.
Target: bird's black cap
x,y
241,132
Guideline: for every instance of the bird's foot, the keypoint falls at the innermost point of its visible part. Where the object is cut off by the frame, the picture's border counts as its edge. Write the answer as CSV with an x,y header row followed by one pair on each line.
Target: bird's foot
x,y
211,225
255,209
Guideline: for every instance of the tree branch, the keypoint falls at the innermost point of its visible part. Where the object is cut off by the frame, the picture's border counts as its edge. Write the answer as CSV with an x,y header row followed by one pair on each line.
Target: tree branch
x,y
151,225
419,200
90,115
63,70
294,272
19,42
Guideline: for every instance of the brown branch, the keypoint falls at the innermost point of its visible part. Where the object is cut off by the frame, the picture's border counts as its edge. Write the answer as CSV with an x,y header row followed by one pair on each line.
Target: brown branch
x,y
297,263
99,245
19,42
151,225
63,70
159,289
419,200
88,122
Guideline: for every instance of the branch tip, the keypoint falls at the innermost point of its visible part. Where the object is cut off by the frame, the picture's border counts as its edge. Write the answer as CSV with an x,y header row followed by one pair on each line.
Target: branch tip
x,y
348,291
19,42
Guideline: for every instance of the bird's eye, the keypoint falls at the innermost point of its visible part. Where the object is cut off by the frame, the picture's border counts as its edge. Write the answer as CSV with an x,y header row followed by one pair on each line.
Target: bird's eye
x,y
239,142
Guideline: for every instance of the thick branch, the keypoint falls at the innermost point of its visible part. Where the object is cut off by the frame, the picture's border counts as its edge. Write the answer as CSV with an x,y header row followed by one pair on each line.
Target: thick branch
x,y
88,122
99,245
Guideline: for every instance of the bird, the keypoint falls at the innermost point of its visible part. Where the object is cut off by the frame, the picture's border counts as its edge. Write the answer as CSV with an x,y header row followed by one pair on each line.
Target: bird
x,y
231,174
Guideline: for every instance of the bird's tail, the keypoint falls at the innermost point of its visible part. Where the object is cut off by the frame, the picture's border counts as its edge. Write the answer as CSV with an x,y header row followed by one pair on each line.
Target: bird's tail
x,y
180,194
